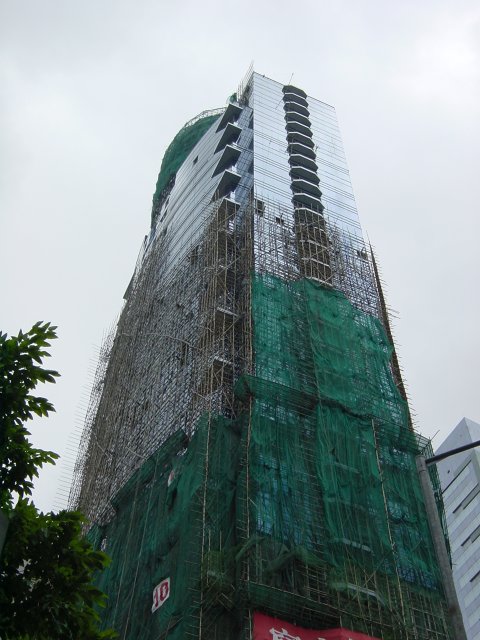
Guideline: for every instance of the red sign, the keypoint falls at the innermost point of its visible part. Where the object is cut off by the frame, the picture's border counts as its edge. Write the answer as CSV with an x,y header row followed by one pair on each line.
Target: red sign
x,y
266,628
160,594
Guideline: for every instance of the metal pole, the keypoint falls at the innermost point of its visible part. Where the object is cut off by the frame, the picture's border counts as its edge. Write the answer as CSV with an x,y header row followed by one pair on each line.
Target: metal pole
x,y
452,452
441,550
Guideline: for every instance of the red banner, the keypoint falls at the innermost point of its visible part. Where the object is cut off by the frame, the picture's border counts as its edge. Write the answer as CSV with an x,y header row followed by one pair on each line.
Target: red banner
x,y
266,628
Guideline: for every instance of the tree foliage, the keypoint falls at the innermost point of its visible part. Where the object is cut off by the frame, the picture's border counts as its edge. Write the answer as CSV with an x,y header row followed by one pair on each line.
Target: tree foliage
x,y
46,566
45,583
20,372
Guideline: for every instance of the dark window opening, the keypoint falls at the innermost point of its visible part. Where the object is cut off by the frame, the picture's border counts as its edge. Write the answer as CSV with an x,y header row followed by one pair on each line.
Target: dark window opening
x,y
183,353
259,207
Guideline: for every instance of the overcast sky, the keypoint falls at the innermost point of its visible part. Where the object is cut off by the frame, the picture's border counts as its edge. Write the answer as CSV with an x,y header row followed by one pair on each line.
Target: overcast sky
x,y
92,92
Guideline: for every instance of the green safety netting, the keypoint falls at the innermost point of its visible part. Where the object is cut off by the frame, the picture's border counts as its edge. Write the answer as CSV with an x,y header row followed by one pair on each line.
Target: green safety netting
x,y
293,507
312,339
332,475
158,527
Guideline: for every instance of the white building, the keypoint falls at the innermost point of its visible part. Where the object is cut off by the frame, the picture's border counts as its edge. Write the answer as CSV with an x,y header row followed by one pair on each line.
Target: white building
x,y
460,478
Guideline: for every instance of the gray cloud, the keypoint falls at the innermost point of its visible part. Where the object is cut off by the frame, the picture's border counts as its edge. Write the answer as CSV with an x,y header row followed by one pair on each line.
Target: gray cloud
x,y
92,93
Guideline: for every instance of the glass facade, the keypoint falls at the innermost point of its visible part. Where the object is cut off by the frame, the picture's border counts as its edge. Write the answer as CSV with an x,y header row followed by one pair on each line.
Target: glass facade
x,y
460,478
272,178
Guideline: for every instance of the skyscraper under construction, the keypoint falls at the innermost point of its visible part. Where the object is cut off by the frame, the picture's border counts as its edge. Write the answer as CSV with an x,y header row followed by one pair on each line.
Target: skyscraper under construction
x,y
248,460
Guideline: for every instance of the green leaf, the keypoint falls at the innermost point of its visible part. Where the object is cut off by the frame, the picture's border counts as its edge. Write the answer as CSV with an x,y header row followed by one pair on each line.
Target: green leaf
x,y
46,590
